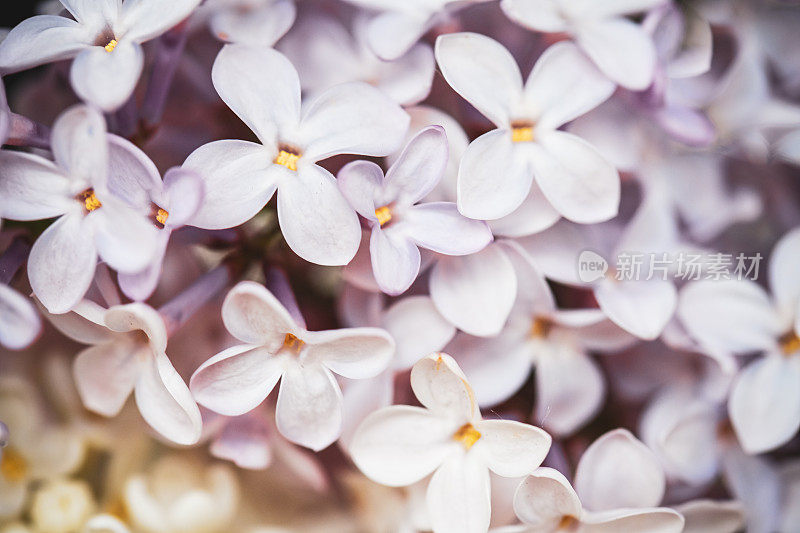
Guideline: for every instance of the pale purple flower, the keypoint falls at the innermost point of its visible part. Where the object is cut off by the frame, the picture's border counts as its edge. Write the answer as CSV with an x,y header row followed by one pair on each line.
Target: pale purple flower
x,y
263,89
92,221
326,53
498,169
105,39
168,204
447,437
127,354
278,347
399,225
399,25
740,317
618,46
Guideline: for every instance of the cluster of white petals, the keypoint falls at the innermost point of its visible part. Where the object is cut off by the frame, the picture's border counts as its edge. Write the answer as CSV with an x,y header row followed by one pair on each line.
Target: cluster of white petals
x,y
400,266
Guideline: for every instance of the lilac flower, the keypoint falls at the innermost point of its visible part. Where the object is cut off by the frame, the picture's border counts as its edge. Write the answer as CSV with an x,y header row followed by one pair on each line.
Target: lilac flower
x,y
92,221
105,39
498,168
258,23
277,347
398,224
240,177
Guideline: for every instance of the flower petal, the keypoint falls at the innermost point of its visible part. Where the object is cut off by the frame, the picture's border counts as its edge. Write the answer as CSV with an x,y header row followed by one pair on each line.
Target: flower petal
x,y
395,260
31,187
642,308
238,180
619,471
166,403
261,26
107,79
125,239
315,219
417,328
145,19
539,15
244,441
418,169
355,353
61,264
438,226
783,265
569,388
733,316
236,380
564,84
309,408
392,34
43,39
653,520
254,315
184,193
534,214
132,176
79,145
482,71
138,317
475,292
361,183
106,373
459,496
578,182
261,86
511,449
19,322
621,49
708,516
764,404
545,498
494,177
400,445
440,385
351,118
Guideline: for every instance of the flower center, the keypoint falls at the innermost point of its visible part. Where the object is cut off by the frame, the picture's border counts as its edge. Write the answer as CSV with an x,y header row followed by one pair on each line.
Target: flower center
x,y
158,215
384,215
292,343
521,131
13,466
467,435
89,199
111,45
541,327
287,156
567,523
789,343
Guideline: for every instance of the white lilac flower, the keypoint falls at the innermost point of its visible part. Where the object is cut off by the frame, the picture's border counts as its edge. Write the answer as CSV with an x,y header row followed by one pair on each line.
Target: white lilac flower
x,y
326,53
127,353
168,204
499,167
399,225
399,25
546,502
447,437
92,221
569,385
278,347
182,494
36,449
740,317
20,324
257,23
62,505
702,516
618,46
104,37
635,298
263,89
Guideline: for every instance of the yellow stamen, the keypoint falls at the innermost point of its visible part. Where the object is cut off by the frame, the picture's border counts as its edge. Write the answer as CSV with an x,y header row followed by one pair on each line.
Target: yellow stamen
x,y
287,159
567,522
384,215
540,327
111,45
467,435
521,131
13,466
292,343
789,343
161,216
89,199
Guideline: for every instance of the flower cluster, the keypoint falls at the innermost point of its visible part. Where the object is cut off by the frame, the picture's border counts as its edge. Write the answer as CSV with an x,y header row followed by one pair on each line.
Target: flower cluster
x,y
455,266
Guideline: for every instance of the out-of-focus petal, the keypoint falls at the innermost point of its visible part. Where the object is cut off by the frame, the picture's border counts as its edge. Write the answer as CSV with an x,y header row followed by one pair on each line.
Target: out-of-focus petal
x,y
19,322
418,329
42,39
